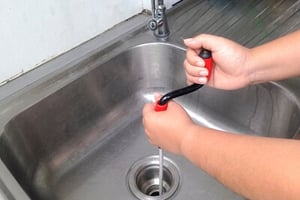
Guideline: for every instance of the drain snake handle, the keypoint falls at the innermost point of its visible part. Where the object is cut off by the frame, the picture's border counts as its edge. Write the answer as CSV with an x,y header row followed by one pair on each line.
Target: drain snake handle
x,y
162,103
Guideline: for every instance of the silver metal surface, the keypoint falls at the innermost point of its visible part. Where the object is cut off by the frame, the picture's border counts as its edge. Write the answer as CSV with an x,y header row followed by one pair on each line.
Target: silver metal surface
x,y
75,133
143,179
160,171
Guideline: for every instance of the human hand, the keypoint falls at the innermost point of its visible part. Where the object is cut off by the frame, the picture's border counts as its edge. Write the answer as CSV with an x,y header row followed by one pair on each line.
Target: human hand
x,y
167,129
231,69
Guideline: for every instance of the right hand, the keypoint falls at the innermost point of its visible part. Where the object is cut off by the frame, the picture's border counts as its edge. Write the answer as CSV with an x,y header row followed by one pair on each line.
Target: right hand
x,y
167,129
231,62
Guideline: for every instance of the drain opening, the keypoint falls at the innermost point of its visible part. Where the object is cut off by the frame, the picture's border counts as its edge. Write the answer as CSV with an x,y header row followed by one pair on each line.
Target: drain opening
x,y
147,180
143,178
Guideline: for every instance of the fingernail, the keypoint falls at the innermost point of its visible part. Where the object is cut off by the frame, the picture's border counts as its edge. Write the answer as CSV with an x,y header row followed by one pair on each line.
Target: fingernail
x,y
202,80
188,40
200,63
203,72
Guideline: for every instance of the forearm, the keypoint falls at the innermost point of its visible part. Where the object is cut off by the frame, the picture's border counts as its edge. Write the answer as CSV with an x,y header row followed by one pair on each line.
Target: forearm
x,y
256,167
276,60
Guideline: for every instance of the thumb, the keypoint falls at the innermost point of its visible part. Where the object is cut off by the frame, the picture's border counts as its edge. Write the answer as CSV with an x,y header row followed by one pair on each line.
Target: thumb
x,y
148,108
206,41
193,43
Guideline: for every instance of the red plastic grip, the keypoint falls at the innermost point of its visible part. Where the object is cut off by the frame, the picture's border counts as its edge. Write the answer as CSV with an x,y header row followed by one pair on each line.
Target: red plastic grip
x,y
207,57
208,66
159,108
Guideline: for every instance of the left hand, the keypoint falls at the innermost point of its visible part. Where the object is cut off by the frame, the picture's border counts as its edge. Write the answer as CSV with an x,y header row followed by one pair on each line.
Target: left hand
x,y
167,129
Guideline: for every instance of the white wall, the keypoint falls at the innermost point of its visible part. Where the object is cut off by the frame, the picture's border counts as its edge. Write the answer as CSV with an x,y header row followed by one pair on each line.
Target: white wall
x,y
34,31
168,3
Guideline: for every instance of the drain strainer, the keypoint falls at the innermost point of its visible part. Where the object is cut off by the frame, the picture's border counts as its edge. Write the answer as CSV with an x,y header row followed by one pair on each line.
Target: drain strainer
x,y
143,178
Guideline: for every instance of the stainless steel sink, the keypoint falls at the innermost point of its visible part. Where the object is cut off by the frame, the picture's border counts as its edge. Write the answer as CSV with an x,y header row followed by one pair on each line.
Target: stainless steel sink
x,y
81,141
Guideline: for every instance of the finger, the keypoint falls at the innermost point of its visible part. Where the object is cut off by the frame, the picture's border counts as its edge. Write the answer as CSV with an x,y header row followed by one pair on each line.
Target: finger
x,y
195,70
196,79
147,133
189,82
144,122
148,108
193,43
205,41
193,58
151,142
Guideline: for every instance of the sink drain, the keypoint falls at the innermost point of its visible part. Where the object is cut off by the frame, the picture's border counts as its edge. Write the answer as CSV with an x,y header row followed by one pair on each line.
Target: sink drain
x,y
143,178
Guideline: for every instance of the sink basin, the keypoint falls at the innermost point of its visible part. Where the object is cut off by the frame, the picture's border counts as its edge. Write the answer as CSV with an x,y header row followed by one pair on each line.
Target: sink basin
x,y
81,141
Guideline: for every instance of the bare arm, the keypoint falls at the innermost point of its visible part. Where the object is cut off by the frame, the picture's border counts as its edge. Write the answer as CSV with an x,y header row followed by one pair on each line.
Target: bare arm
x,y
276,60
258,168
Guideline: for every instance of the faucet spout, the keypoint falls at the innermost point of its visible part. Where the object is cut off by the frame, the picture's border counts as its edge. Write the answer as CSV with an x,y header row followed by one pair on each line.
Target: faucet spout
x,y
159,24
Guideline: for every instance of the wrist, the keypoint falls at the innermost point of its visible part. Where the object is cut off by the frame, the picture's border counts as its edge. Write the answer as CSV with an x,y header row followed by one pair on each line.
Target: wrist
x,y
255,65
188,141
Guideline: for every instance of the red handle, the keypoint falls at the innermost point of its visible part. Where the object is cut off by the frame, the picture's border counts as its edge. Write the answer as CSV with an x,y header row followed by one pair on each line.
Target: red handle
x,y
207,57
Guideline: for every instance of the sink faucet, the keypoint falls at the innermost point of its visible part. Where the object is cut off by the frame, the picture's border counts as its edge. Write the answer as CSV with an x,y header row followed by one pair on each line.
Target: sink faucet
x,y
159,24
